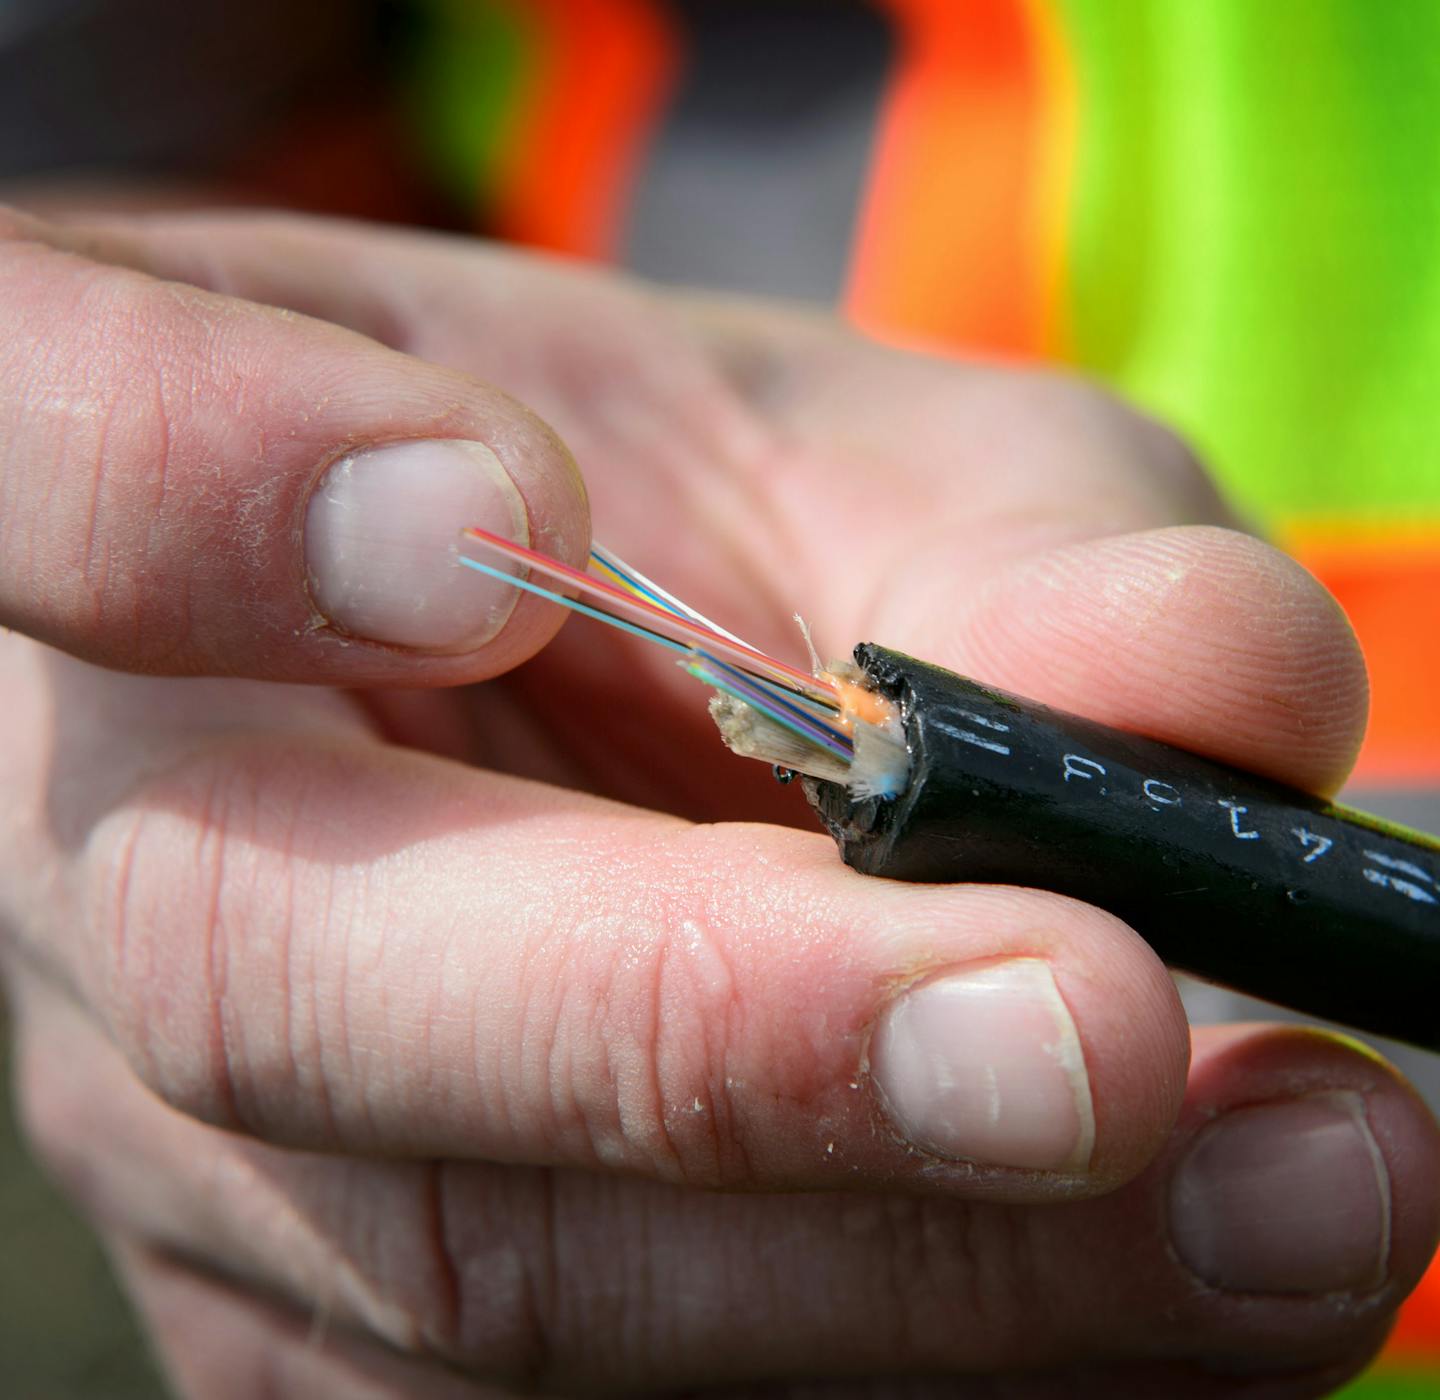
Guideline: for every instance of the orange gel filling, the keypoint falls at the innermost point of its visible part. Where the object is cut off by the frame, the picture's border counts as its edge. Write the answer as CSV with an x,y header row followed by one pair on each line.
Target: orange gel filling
x,y
857,703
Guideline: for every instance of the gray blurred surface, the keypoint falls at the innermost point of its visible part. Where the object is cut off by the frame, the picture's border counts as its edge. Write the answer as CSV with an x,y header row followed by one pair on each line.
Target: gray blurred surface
x,y
753,182
152,85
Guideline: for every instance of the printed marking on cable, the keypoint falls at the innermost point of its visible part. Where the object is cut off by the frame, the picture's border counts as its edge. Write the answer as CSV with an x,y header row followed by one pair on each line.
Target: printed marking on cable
x,y
969,736
982,721
1170,797
1309,839
1236,812
1401,886
1405,867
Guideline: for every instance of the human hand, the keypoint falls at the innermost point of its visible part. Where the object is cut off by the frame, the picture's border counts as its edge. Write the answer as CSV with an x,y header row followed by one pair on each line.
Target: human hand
x,y
437,1012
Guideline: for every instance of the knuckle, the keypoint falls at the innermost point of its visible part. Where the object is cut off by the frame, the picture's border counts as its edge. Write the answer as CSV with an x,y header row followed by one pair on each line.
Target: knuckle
x,y
501,1286
172,925
698,1096
97,405
1152,455
1164,455
550,1285
655,1008
949,1260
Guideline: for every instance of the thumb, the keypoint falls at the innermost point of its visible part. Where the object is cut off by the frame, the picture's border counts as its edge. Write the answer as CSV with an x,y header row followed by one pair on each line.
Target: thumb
x,y
193,484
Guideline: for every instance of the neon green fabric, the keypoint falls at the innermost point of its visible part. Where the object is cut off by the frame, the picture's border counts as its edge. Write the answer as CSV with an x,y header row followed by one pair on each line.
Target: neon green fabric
x,y
1255,239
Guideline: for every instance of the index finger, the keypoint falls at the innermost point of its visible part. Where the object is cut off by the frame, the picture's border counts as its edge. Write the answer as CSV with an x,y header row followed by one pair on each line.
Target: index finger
x,y
198,484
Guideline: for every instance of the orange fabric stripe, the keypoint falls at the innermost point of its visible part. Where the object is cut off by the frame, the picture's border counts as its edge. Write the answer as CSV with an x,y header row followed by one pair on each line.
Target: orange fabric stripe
x,y
1059,124
1388,582
604,71
1417,1332
948,247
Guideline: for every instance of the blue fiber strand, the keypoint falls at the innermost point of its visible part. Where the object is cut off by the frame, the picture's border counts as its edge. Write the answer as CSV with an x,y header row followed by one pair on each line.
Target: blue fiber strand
x,y
741,687
823,709
753,684
573,605
798,726
820,741
749,685
635,586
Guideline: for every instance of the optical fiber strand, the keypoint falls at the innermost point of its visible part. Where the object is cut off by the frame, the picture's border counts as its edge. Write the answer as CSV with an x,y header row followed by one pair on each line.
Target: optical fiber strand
x,y
811,724
648,614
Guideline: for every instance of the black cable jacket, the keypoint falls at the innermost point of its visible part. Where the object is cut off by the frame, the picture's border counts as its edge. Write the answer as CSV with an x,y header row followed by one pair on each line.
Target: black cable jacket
x,y
1231,877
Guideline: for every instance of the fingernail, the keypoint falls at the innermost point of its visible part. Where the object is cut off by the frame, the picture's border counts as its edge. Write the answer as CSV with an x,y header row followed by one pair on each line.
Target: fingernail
x,y
1285,1198
985,1064
381,537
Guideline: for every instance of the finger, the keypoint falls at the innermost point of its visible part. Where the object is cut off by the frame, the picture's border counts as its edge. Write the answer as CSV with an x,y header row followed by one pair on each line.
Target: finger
x,y
1000,523
1203,637
1264,1252
578,982
220,1342
669,445
197,484
1104,1382
1032,518
792,435
696,871
1028,452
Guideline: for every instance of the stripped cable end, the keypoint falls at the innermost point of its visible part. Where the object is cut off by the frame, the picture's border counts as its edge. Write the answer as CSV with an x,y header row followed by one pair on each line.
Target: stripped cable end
x,y
751,734
878,764
827,724
881,766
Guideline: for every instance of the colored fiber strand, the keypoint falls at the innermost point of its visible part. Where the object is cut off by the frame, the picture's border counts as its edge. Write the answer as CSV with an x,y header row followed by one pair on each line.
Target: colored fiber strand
x,y
640,607
575,606
790,699
653,618
825,711
634,581
737,692
767,699
716,673
627,576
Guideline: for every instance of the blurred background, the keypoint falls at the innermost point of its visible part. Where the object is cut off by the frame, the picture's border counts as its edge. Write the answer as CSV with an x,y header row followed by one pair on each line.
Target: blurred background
x,y
1229,212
